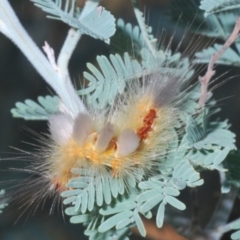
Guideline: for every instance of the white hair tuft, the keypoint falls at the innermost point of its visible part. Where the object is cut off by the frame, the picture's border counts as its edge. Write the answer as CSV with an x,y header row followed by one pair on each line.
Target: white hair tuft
x,y
61,127
127,142
83,126
104,137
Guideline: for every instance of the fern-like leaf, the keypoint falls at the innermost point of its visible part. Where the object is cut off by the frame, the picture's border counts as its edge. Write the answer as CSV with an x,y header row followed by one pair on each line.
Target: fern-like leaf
x,y
135,34
215,6
236,226
92,220
117,72
105,85
185,175
99,23
123,214
208,159
149,41
229,57
210,137
232,163
175,153
158,193
31,110
218,25
115,217
88,192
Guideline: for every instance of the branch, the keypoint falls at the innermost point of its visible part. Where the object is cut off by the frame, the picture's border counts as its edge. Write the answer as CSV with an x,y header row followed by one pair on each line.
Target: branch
x,y
12,28
210,72
66,52
72,39
51,56
216,226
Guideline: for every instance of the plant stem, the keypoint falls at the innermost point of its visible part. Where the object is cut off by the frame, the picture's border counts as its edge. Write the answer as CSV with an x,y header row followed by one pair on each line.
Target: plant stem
x,y
12,28
210,72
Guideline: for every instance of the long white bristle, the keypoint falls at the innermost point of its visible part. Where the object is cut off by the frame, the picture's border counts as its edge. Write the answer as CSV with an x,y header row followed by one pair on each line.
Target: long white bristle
x,y
104,137
61,127
83,126
127,142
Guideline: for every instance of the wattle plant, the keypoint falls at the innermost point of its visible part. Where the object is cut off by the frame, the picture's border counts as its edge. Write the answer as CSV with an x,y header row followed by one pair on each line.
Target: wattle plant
x,y
124,146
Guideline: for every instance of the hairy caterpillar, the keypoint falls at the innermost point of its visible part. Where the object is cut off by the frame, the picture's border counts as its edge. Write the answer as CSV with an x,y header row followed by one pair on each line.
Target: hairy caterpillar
x,y
129,139
133,134
119,141
123,141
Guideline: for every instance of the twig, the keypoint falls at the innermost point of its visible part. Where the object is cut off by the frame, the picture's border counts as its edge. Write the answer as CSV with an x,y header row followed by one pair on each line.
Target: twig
x,y
72,39
51,56
67,49
217,226
12,28
210,72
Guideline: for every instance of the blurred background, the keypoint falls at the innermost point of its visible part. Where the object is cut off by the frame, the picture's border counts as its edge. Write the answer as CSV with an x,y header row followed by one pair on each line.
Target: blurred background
x,y
20,81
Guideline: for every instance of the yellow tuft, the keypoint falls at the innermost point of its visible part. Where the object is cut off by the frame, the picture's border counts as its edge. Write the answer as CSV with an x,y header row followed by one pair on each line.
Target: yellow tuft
x,y
149,122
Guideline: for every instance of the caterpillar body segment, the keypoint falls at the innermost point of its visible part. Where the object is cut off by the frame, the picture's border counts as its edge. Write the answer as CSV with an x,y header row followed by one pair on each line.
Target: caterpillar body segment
x,y
134,134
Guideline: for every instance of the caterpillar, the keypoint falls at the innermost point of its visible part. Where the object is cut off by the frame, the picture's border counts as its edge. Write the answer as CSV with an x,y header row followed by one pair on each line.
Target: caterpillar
x,y
88,153
133,134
